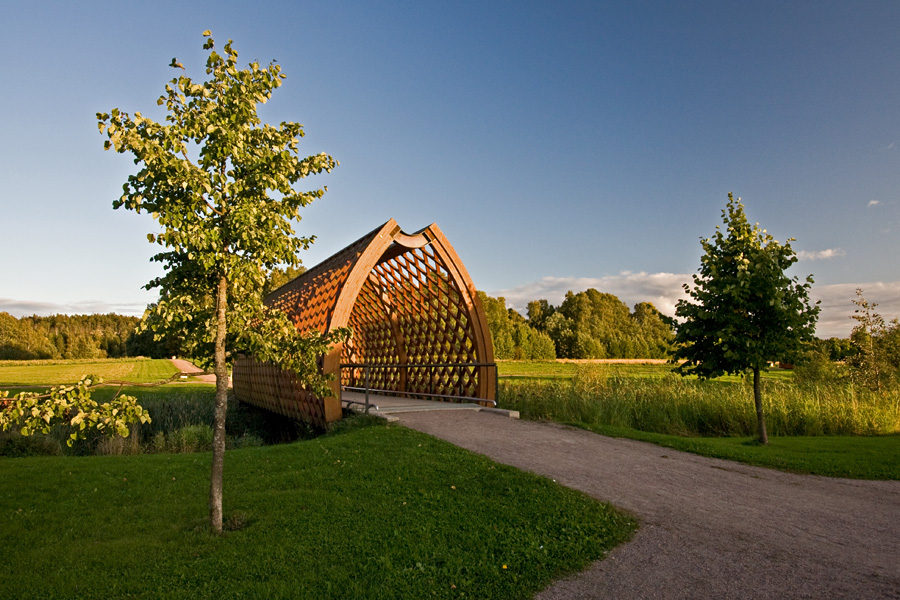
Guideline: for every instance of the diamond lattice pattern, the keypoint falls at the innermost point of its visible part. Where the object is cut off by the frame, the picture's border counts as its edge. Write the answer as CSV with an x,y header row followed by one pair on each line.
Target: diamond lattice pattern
x,y
410,312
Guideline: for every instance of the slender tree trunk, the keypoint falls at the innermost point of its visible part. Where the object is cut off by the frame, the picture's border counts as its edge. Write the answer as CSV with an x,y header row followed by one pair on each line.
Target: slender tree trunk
x,y
218,461
760,417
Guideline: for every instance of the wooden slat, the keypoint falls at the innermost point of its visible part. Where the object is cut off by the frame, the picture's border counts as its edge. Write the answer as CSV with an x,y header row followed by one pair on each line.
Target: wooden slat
x,y
408,299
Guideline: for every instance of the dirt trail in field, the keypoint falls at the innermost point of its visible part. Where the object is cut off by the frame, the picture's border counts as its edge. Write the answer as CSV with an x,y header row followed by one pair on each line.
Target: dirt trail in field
x,y
186,366
709,528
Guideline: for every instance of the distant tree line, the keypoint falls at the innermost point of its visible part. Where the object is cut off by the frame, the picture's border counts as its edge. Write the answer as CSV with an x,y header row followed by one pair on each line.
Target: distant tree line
x,y
77,336
588,324
97,336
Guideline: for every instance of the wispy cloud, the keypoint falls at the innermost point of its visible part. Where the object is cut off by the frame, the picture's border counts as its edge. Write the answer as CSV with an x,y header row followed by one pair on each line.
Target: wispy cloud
x,y
664,290
873,203
26,308
890,146
821,254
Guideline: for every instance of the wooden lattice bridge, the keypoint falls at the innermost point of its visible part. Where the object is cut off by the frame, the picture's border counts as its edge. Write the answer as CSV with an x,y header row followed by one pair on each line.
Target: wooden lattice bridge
x,y
419,330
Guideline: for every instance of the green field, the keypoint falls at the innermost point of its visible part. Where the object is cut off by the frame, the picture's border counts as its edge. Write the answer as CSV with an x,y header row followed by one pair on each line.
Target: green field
x,y
809,425
368,512
566,369
15,374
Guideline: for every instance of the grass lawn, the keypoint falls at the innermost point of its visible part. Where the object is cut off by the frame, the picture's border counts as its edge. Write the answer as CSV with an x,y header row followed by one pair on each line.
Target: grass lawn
x,y
856,457
370,511
48,373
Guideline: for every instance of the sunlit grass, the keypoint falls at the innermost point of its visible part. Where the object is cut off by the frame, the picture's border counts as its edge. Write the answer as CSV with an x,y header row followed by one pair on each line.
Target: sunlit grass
x,y
858,457
679,406
371,512
58,372
566,369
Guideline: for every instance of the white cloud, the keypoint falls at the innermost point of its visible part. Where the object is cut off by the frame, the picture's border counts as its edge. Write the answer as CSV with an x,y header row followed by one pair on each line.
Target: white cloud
x,y
873,203
664,290
26,308
821,254
837,304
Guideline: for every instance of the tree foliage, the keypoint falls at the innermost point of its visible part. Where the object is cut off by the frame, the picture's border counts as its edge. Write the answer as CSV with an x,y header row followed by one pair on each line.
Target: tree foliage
x,y
588,324
593,324
66,336
876,362
511,335
280,276
32,412
743,311
221,186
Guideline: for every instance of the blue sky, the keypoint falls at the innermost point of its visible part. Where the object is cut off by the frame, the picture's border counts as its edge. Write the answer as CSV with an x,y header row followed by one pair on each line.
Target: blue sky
x,y
559,145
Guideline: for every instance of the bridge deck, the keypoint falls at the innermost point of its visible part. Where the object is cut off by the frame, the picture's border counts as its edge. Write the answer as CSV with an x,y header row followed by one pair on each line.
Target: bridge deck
x,y
384,406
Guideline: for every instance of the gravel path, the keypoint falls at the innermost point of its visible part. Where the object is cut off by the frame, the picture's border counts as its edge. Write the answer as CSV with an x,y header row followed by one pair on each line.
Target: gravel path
x,y
709,528
188,367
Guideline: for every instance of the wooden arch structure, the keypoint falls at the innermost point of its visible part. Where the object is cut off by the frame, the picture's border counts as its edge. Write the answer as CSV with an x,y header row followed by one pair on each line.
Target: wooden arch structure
x,y
419,329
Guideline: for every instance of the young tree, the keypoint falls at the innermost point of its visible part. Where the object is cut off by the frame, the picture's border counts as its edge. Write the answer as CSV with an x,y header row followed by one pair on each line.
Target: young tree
x,y
221,186
743,310
876,362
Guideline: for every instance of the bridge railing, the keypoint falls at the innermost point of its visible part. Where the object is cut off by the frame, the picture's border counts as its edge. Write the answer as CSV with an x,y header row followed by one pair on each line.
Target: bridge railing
x,y
367,369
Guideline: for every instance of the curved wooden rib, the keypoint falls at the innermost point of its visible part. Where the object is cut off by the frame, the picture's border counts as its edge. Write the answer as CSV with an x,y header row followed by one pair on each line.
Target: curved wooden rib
x,y
408,298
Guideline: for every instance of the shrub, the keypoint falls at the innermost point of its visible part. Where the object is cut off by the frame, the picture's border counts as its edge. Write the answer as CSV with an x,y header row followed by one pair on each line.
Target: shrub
x,y
193,438
13,445
818,369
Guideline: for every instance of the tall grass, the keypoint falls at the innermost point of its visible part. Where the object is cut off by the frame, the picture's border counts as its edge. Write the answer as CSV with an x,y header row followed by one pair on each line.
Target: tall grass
x,y
182,417
683,406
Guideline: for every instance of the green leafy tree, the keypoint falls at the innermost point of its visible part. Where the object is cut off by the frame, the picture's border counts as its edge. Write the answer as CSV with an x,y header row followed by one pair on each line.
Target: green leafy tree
x,y
531,344
655,330
876,362
511,334
743,311
836,349
278,277
561,330
538,312
10,339
592,324
20,341
499,324
70,405
221,186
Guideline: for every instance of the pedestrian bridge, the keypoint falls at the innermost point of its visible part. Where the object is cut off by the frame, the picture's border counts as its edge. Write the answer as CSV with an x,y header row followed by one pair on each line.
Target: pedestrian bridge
x,y
419,330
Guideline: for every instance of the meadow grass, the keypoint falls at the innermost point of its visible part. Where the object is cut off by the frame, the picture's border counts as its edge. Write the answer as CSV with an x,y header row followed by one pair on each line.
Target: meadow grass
x,y
685,406
48,373
566,369
717,418
372,511
182,416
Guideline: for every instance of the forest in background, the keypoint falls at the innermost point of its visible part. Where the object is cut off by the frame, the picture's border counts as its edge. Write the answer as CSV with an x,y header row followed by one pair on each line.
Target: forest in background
x,y
77,336
95,336
588,324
